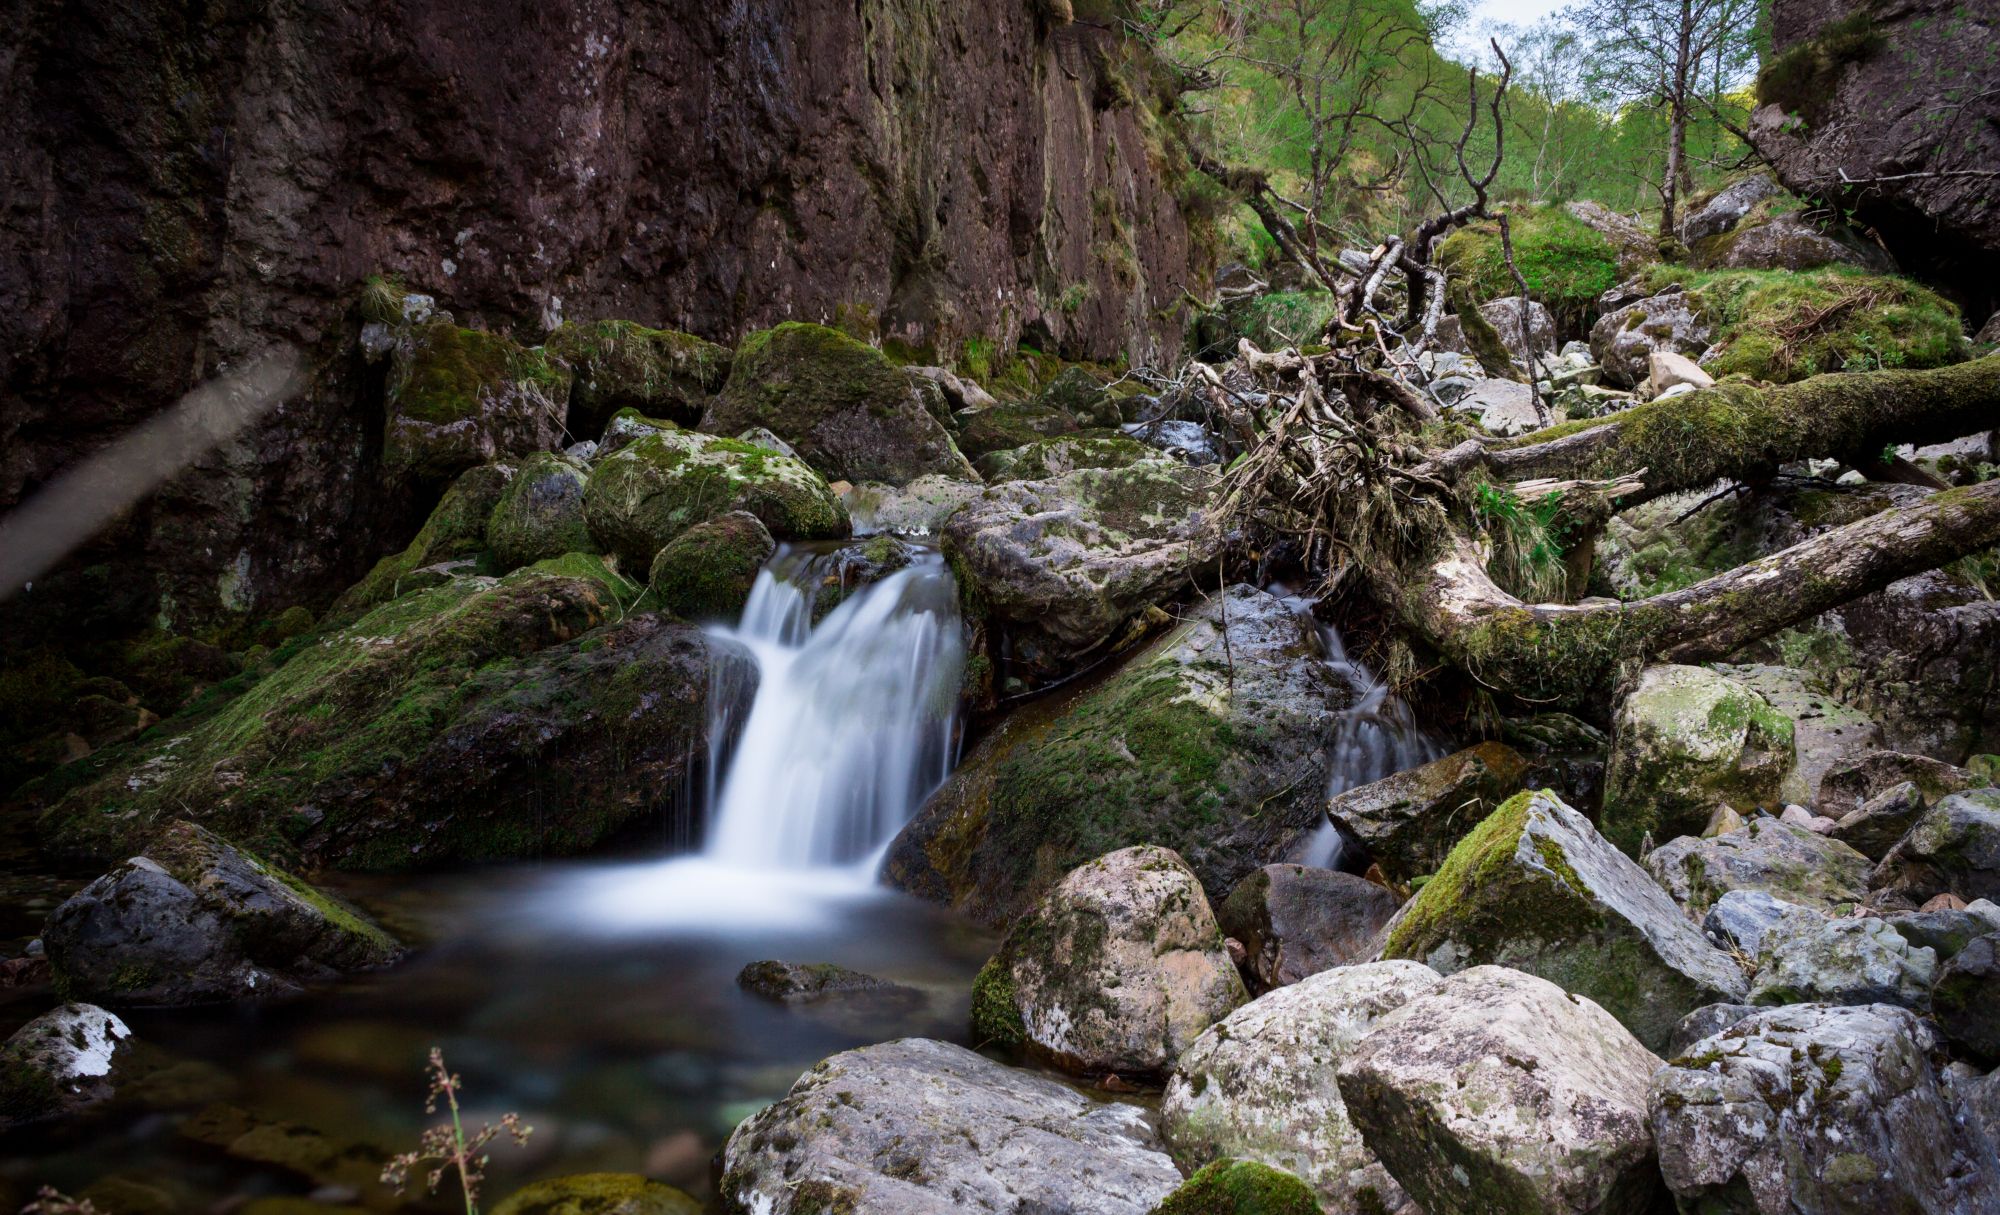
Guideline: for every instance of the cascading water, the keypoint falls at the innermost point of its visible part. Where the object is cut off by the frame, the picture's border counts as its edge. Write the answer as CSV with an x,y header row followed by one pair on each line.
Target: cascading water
x,y
852,721
849,725
1376,736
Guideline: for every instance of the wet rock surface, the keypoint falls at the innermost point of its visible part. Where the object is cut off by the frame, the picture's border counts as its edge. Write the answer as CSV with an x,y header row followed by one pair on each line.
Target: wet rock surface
x,y
1408,822
61,1063
1294,921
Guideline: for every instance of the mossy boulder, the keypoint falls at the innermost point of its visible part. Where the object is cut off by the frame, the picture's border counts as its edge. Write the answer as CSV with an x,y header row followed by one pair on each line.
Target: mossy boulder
x,y
62,1062
1774,239
1534,887
1623,339
1686,740
455,531
480,719
1081,395
1045,458
1954,848
1059,570
656,487
1778,859
193,920
540,513
461,397
618,365
1567,264
706,572
598,1194
919,508
1006,425
1115,972
1407,823
1785,325
849,412
1260,1085
1240,1187
1212,745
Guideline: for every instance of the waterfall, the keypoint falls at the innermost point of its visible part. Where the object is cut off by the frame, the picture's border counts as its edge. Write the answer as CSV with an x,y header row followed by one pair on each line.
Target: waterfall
x,y
1374,737
853,717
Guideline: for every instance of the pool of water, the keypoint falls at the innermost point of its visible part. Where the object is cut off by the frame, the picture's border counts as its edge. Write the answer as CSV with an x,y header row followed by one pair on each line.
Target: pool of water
x,y
599,1001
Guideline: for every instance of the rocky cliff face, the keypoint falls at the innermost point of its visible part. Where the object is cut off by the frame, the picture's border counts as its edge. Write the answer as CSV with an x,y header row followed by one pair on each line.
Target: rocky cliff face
x,y
187,185
1892,107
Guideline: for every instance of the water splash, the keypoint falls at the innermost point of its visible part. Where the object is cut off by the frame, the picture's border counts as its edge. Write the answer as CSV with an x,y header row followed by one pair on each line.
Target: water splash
x,y
853,719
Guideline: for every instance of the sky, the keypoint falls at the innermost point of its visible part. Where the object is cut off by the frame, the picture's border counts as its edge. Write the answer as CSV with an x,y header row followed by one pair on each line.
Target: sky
x,y
1467,41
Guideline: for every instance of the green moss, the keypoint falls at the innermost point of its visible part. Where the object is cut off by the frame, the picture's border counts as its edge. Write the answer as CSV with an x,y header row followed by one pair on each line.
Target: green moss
x,y
452,371
1052,457
1240,1187
1786,325
598,1194
1446,900
1567,264
706,572
540,513
996,1016
455,530
621,365
1805,78
1283,318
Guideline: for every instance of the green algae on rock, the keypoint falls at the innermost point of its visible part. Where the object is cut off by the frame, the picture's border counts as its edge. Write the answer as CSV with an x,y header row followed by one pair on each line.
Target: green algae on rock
x,y
662,483
617,365
849,412
1534,887
461,397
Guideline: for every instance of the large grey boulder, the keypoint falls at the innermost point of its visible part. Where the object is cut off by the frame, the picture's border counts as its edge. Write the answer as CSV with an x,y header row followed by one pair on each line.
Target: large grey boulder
x,y
1685,739
1750,922
1966,999
540,513
1061,567
1826,733
1622,338
918,508
1505,315
1534,887
1848,786
1881,822
194,920
1816,1110
60,1063
1954,848
1260,1085
1727,207
1408,822
1212,741
1497,1091
916,1127
1295,920
1117,971
1859,960
1780,859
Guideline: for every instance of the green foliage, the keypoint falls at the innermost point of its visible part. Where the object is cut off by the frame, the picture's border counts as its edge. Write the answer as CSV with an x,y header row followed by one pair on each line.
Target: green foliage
x,y
1565,263
1284,318
1528,542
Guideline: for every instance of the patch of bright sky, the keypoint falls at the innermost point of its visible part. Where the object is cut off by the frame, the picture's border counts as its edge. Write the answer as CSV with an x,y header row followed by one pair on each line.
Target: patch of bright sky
x,y
1469,39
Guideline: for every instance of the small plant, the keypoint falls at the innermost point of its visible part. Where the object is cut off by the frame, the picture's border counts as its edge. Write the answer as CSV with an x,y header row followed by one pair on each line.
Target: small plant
x,y
447,1147
51,1201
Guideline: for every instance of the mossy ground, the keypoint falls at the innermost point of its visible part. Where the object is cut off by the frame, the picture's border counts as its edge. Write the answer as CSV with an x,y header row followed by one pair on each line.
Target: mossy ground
x,y
1240,1187
1566,263
1786,325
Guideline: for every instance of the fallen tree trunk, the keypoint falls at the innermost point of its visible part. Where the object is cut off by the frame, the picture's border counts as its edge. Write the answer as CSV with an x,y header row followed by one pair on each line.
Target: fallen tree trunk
x,y
1743,432
1572,655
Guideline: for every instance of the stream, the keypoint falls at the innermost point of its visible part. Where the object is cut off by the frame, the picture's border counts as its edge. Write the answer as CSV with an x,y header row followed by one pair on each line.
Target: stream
x,y
598,999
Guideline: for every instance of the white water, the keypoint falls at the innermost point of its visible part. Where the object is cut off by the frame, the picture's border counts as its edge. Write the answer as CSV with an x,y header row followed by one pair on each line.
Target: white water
x,y
1375,737
851,725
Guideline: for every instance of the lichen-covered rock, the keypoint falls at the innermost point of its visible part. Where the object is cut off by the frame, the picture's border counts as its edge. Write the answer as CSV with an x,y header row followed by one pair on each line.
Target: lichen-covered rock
x,y
1294,921
1847,786
63,1061
1751,922
1534,887
598,1194
851,414
786,982
916,509
1954,848
706,572
1045,458
1727,207
1408,823
193,920
540,513
481,718
1860,960
661,484
1686,738
1792,863
1505,316
1498,1091
1947,930
618,365
1260,1085
1212,745
1005,425
1240,1187
1500,407
1966,999
1787,240
461,397
1827,733
1621,339
1081,395
1058,569
1879,823
455,530
1706,1022
915,1127
1815,1110
1116,971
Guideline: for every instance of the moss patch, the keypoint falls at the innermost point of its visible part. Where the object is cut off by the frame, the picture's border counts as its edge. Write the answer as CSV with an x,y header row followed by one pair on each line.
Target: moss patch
x,y
1240,1187
621,365
1567,263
